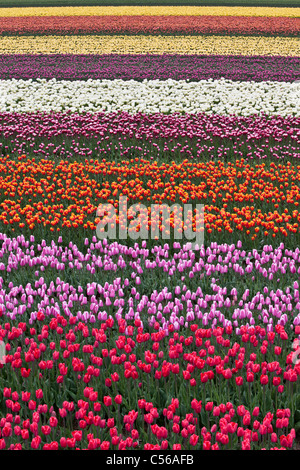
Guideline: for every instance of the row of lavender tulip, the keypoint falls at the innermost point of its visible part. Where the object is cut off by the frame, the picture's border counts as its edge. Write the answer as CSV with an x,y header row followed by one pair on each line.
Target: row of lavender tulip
x,y
207,284
149,67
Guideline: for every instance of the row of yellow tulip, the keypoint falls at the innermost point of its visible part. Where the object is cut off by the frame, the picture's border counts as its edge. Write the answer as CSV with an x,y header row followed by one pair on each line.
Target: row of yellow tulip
x,y
90,44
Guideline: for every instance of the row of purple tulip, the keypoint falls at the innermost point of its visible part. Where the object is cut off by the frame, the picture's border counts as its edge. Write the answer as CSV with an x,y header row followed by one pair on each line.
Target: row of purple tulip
x,y
149,67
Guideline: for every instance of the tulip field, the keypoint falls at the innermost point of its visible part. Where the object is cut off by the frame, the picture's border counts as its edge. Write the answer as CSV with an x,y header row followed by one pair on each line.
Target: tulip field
x,y
150,343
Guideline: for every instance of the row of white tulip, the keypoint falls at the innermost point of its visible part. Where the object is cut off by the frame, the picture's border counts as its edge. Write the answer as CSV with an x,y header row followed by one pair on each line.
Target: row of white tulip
x,y
153,96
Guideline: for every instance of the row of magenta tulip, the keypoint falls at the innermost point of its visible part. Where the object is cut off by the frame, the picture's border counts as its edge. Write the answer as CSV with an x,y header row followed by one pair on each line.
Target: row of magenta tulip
x,y
121,136
218,285
229,427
